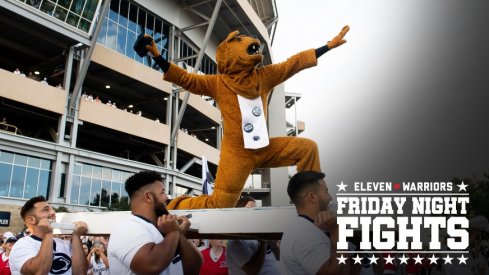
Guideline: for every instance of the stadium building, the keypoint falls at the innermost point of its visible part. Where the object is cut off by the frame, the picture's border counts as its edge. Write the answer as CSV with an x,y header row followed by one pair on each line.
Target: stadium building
x,y
80,111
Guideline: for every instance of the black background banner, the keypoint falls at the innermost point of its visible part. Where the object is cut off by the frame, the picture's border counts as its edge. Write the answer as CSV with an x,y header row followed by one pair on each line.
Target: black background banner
x,y
4,219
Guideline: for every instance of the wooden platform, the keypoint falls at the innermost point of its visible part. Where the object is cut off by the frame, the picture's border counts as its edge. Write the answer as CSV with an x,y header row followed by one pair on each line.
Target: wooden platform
x,y
225,223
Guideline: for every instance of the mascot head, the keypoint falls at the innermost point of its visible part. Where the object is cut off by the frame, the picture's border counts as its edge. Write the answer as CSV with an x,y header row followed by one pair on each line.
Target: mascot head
x,y
238,53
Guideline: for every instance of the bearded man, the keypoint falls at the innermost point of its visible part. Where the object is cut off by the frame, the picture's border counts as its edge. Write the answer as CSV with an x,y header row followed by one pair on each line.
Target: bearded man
x,y
151,241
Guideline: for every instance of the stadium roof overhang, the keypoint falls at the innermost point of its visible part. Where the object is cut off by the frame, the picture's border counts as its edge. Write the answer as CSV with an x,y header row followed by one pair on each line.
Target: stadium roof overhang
x,y
38,42
250,18
34,41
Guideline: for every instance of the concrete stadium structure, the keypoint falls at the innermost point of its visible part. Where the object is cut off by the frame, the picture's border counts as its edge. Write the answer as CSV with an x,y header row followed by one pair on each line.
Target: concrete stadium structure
x,y
106,113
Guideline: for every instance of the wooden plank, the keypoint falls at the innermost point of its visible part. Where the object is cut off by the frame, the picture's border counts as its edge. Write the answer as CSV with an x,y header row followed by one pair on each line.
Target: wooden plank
x,y
222,223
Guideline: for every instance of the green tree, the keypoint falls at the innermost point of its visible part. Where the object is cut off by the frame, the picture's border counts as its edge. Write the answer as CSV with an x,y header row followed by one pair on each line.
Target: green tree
x,y
118,204
105,198
61,209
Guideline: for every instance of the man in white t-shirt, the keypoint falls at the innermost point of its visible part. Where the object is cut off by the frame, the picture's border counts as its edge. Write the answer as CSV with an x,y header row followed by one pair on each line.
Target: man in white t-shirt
x,y
250,256
151,241
305,248
41,253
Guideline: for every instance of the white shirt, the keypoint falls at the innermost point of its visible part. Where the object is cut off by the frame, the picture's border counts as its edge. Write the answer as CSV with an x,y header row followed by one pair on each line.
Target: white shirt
x,y
98,268
28,247
304,248
239,252
127,237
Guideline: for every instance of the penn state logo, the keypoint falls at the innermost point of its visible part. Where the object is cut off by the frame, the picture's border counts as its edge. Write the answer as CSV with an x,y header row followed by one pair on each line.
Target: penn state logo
x,y
223,264
61,263
256,111
248,127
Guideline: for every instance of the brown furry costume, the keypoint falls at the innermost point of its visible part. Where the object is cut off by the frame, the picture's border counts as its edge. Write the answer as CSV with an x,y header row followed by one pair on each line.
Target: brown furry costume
x,y
239,75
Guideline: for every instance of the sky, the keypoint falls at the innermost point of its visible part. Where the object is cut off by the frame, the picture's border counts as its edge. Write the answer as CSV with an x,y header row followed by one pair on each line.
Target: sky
x,y
405,99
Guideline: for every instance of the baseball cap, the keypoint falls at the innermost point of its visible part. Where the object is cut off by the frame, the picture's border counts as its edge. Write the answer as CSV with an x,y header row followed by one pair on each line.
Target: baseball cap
x,y
11,240
8,235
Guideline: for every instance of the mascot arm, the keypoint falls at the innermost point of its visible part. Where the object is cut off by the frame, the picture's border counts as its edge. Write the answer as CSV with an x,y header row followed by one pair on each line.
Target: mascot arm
x,y
162,63
275,74
338,40
155,54
320,51
194,83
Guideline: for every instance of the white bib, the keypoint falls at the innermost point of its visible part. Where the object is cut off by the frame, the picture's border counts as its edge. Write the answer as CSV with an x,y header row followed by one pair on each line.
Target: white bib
x,y
253,124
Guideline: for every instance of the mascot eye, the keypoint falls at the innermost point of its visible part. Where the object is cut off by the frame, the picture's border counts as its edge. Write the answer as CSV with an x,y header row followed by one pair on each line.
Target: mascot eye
x,y
253,49
238,38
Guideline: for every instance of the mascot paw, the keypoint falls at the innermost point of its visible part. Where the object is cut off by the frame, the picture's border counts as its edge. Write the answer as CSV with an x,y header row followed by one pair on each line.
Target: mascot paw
x,y
338,40
152,49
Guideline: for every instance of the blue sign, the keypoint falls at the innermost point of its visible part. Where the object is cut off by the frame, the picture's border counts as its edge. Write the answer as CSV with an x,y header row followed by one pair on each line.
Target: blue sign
x,y
4,219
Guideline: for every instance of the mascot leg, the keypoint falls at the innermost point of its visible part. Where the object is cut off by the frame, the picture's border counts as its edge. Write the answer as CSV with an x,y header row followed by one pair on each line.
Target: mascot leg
x,y
289,151
236,165
232,172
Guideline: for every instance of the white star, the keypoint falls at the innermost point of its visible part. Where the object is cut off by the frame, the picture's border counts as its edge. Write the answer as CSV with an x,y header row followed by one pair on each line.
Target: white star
x,y
447,259
403,259
357,259
342,259
462,186
373,259
417,259
389,259
342,186
462,259
433,259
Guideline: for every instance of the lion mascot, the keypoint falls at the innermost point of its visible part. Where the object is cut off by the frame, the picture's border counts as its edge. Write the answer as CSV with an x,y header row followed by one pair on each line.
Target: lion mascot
x,y
241,90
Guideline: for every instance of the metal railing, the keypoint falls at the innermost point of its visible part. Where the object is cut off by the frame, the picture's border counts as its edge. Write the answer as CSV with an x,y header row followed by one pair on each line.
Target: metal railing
x,y
8,128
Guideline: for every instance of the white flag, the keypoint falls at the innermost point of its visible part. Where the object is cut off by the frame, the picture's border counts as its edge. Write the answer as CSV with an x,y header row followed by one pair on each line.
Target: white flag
x,y
207,179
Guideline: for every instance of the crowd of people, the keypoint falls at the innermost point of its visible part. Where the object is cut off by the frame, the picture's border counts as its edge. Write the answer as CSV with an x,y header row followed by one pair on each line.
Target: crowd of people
x,y
30,75
110,103
91,98
153,241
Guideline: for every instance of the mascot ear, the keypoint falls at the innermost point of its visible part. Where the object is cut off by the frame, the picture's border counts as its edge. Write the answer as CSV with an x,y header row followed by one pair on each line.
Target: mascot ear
x,y
232,35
